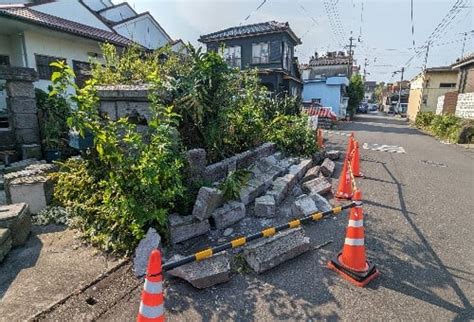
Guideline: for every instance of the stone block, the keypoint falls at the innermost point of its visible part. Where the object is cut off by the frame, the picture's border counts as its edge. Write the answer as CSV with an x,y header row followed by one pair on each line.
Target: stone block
x,y
42,167
22,105
255,187
109,108
321,202
36,191
300,169
228,214
212,271
304,206
186,227
17,219
20,89
333,154
197,161
312,173
319,185
290,180
25,121
327,168
318,157
21,74
5,242
29,151
27,136
208,199
216,171
278,191
21,165
150,242
265,150
245,159
270,252
265,206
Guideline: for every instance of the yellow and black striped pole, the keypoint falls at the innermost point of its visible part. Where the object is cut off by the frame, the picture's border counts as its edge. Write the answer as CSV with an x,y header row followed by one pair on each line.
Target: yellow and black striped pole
x,y
268,232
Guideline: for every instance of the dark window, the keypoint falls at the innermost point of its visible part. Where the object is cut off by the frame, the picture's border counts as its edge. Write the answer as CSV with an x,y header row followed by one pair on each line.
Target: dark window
x,y
42,65
82,71
4,60
447,85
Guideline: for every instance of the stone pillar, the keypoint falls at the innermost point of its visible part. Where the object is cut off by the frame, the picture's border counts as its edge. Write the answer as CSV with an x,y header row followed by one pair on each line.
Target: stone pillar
x,y
21,104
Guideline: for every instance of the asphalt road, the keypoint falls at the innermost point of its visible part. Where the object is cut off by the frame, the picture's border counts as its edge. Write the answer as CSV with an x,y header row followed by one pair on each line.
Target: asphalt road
x,y
419,221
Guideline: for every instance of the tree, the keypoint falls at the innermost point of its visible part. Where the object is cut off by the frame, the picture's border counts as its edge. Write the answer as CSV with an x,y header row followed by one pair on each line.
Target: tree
x,y
355,92
379,92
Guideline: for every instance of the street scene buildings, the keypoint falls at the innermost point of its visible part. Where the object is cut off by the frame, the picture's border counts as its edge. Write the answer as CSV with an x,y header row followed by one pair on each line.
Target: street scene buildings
x,y
236,160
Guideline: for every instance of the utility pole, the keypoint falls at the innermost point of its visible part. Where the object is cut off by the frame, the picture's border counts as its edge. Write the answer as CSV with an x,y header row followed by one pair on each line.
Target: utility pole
x,y
400,91
463,44
365,66
351,39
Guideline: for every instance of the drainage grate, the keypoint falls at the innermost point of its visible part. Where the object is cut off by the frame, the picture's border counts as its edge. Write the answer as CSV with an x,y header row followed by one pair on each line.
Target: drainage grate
x,y
434,164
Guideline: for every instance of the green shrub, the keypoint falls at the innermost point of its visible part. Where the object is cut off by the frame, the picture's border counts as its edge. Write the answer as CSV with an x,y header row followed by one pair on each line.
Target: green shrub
x,y
292,135
233,183
444,126
424,119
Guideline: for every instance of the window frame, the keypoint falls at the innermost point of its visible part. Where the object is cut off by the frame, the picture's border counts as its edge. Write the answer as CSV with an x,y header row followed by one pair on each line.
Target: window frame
x,y
257,60
7,60
447,85
230,57
41,67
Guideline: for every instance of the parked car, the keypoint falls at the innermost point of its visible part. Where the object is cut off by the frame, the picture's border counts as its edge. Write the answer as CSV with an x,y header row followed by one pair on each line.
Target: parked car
x,y
363,108
373,107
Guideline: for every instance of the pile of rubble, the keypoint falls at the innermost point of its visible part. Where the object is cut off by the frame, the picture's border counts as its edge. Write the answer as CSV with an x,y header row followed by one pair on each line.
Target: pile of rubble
x,y
279,189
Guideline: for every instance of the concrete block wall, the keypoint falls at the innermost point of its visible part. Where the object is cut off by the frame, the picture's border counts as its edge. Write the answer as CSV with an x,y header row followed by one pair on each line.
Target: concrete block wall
x,y
465,106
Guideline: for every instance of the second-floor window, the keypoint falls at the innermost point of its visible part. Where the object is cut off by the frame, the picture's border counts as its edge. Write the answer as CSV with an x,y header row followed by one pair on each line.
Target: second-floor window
x,y
286,56
232,56
260,53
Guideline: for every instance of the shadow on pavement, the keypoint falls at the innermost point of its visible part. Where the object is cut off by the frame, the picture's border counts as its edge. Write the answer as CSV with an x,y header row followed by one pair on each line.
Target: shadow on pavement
x,y
421,270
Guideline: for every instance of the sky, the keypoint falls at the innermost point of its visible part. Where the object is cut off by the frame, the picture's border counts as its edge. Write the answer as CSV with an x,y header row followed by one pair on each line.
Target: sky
x,y
382,28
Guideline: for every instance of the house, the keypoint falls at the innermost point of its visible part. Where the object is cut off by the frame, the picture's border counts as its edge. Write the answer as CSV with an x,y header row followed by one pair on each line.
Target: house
x,y
465,68
267,46
427,86
35,33
369,90
326,81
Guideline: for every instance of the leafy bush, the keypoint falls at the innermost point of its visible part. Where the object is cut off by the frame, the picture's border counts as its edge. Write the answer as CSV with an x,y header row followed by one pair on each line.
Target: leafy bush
x,y
423,119
129,182
292,134
233,183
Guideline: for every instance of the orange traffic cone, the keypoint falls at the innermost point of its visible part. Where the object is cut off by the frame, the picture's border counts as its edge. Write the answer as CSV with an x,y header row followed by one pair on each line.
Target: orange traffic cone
x,y
152,303
355,161
350,146
351,263
344,190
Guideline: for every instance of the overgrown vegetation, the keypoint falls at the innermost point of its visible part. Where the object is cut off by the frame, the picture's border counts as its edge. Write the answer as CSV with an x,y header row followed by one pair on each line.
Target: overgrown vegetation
x,y
132,180
355,91
448,127
232,184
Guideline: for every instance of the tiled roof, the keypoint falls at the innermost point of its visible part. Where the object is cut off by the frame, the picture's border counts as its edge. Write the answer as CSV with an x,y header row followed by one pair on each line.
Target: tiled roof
x,y
463,61
323,61
31,16
250,30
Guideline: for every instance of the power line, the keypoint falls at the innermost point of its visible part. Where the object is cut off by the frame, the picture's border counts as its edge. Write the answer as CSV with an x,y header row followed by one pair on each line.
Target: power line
x,y
253,12
412,23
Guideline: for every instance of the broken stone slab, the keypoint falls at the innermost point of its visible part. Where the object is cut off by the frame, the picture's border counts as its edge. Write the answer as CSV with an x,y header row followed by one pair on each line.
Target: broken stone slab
x,y
312,173
321,202
318,157
214,270
31,170
333,154
5,242
287,162
265,206
150,242
278,191
197,163
207,200
227,215
319,185
36,191
304,206
255,187
270,252
327,168
186,227
17,219
299,170
20,165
